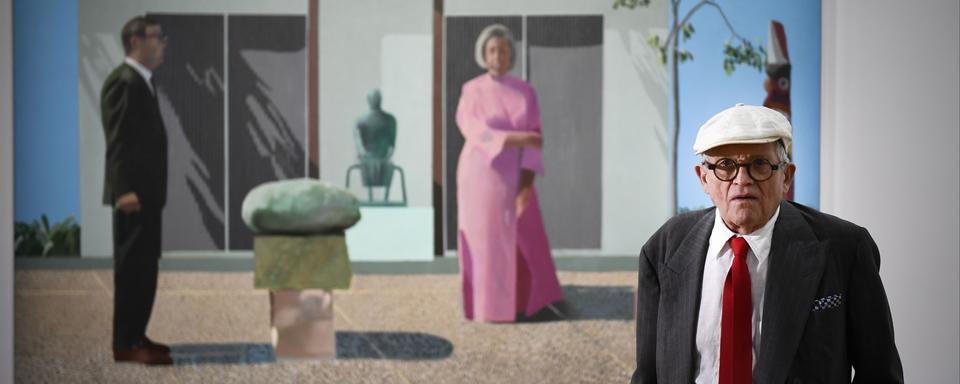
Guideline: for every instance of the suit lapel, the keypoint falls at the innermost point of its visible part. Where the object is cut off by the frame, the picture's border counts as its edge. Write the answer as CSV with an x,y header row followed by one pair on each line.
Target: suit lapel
x,y
680,305
149,93
796,264
146,88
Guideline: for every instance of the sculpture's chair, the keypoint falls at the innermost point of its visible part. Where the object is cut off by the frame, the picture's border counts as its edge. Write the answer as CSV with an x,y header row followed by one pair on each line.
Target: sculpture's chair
x,y
378,173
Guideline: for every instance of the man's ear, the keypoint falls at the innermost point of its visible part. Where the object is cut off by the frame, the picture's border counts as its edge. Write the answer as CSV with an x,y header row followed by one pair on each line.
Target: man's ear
x,y
134,42
788,174
701,175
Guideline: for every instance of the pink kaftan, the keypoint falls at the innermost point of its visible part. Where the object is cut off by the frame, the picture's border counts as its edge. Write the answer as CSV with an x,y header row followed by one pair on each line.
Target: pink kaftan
x,y
497,284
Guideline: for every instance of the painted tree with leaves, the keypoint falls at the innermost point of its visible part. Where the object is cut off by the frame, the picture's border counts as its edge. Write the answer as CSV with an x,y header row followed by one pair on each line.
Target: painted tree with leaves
x,y
737,51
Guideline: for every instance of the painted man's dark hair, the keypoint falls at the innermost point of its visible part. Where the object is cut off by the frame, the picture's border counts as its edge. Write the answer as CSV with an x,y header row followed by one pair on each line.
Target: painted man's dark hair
x,y
137,26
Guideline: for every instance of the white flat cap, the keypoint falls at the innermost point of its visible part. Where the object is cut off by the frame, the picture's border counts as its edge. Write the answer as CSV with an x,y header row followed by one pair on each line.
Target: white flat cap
x,y
743,124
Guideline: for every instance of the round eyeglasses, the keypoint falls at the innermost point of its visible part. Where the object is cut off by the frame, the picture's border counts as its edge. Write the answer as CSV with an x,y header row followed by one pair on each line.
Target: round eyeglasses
x,y
758,169
161,37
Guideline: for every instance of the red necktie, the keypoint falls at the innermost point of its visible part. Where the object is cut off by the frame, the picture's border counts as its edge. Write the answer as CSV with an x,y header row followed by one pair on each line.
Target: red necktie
x,y
736,338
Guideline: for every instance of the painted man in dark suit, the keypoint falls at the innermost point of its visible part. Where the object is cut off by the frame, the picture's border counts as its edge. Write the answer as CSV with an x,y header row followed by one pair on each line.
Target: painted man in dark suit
x,y
759,289
135,185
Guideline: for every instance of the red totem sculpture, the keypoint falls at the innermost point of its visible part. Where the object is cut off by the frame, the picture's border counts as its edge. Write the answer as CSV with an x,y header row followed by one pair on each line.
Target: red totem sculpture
x,y
777,83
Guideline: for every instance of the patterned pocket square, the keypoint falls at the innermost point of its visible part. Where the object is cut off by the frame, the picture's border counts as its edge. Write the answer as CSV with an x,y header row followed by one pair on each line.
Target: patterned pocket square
x,y
828,302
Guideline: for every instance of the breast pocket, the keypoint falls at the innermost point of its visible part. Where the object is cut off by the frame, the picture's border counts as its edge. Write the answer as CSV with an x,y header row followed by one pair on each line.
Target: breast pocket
x,y
829,302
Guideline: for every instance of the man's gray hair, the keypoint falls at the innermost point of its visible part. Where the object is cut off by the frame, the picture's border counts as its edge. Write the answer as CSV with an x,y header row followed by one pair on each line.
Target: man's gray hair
x,y
491,31
782,152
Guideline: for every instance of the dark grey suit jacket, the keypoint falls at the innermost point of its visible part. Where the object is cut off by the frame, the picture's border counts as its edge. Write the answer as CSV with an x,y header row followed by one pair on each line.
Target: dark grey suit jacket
x,y
824,311
136,157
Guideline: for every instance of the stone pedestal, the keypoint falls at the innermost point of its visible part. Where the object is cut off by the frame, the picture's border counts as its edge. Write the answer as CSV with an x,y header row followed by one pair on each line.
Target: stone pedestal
x,y
302,324
301,262
301,273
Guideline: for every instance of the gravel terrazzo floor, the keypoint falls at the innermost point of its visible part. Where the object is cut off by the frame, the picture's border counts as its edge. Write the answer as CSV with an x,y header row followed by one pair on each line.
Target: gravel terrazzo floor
x,y
390,329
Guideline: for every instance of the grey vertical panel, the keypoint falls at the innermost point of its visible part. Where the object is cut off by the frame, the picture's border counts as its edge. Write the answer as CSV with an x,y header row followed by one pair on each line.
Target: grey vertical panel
x,y
267,110
565,56
7,316
190,93
460,66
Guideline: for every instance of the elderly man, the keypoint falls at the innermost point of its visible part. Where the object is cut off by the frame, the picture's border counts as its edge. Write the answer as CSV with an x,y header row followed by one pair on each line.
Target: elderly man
x,y
758,289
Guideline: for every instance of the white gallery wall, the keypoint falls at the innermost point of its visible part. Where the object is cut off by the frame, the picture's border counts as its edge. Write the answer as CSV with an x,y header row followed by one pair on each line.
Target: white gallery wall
x,y
6,191
635,200
890,135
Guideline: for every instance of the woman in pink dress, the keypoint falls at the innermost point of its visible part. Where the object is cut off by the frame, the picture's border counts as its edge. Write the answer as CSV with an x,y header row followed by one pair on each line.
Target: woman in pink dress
x,y
505,258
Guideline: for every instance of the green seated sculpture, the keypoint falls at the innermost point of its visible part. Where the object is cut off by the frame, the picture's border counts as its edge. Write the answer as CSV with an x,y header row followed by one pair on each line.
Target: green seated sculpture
x,y
375,136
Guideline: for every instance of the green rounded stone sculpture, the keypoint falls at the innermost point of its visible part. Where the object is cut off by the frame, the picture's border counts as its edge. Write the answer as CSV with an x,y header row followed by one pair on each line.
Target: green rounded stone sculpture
x,y
299,207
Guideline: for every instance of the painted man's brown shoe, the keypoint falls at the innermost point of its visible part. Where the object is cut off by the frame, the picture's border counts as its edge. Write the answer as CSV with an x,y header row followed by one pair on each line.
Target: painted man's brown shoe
x,y
157,346
142,354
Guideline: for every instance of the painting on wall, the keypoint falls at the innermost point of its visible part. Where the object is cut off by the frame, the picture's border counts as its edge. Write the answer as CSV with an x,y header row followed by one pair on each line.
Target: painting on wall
x,y
267,108
231,92
190,84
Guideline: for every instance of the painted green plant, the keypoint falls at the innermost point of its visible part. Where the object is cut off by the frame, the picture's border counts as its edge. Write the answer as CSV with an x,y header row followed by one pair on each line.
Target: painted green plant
x,y
39,239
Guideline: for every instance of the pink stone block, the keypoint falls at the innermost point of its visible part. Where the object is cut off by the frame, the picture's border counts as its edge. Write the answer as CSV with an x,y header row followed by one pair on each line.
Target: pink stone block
x,y
302,324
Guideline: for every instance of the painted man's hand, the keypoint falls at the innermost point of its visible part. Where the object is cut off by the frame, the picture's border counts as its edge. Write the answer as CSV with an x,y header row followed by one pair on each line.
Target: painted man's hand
x,y
129,203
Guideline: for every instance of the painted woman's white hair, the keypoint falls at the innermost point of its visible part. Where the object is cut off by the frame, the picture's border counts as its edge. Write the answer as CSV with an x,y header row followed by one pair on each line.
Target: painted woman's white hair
x,y
491,31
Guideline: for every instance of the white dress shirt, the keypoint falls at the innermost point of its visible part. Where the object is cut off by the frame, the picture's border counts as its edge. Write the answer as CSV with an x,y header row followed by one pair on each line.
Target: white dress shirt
x,y
717,265
143,71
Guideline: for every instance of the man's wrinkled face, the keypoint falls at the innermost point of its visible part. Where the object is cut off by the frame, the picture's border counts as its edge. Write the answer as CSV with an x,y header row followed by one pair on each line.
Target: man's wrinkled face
x,y
743,203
